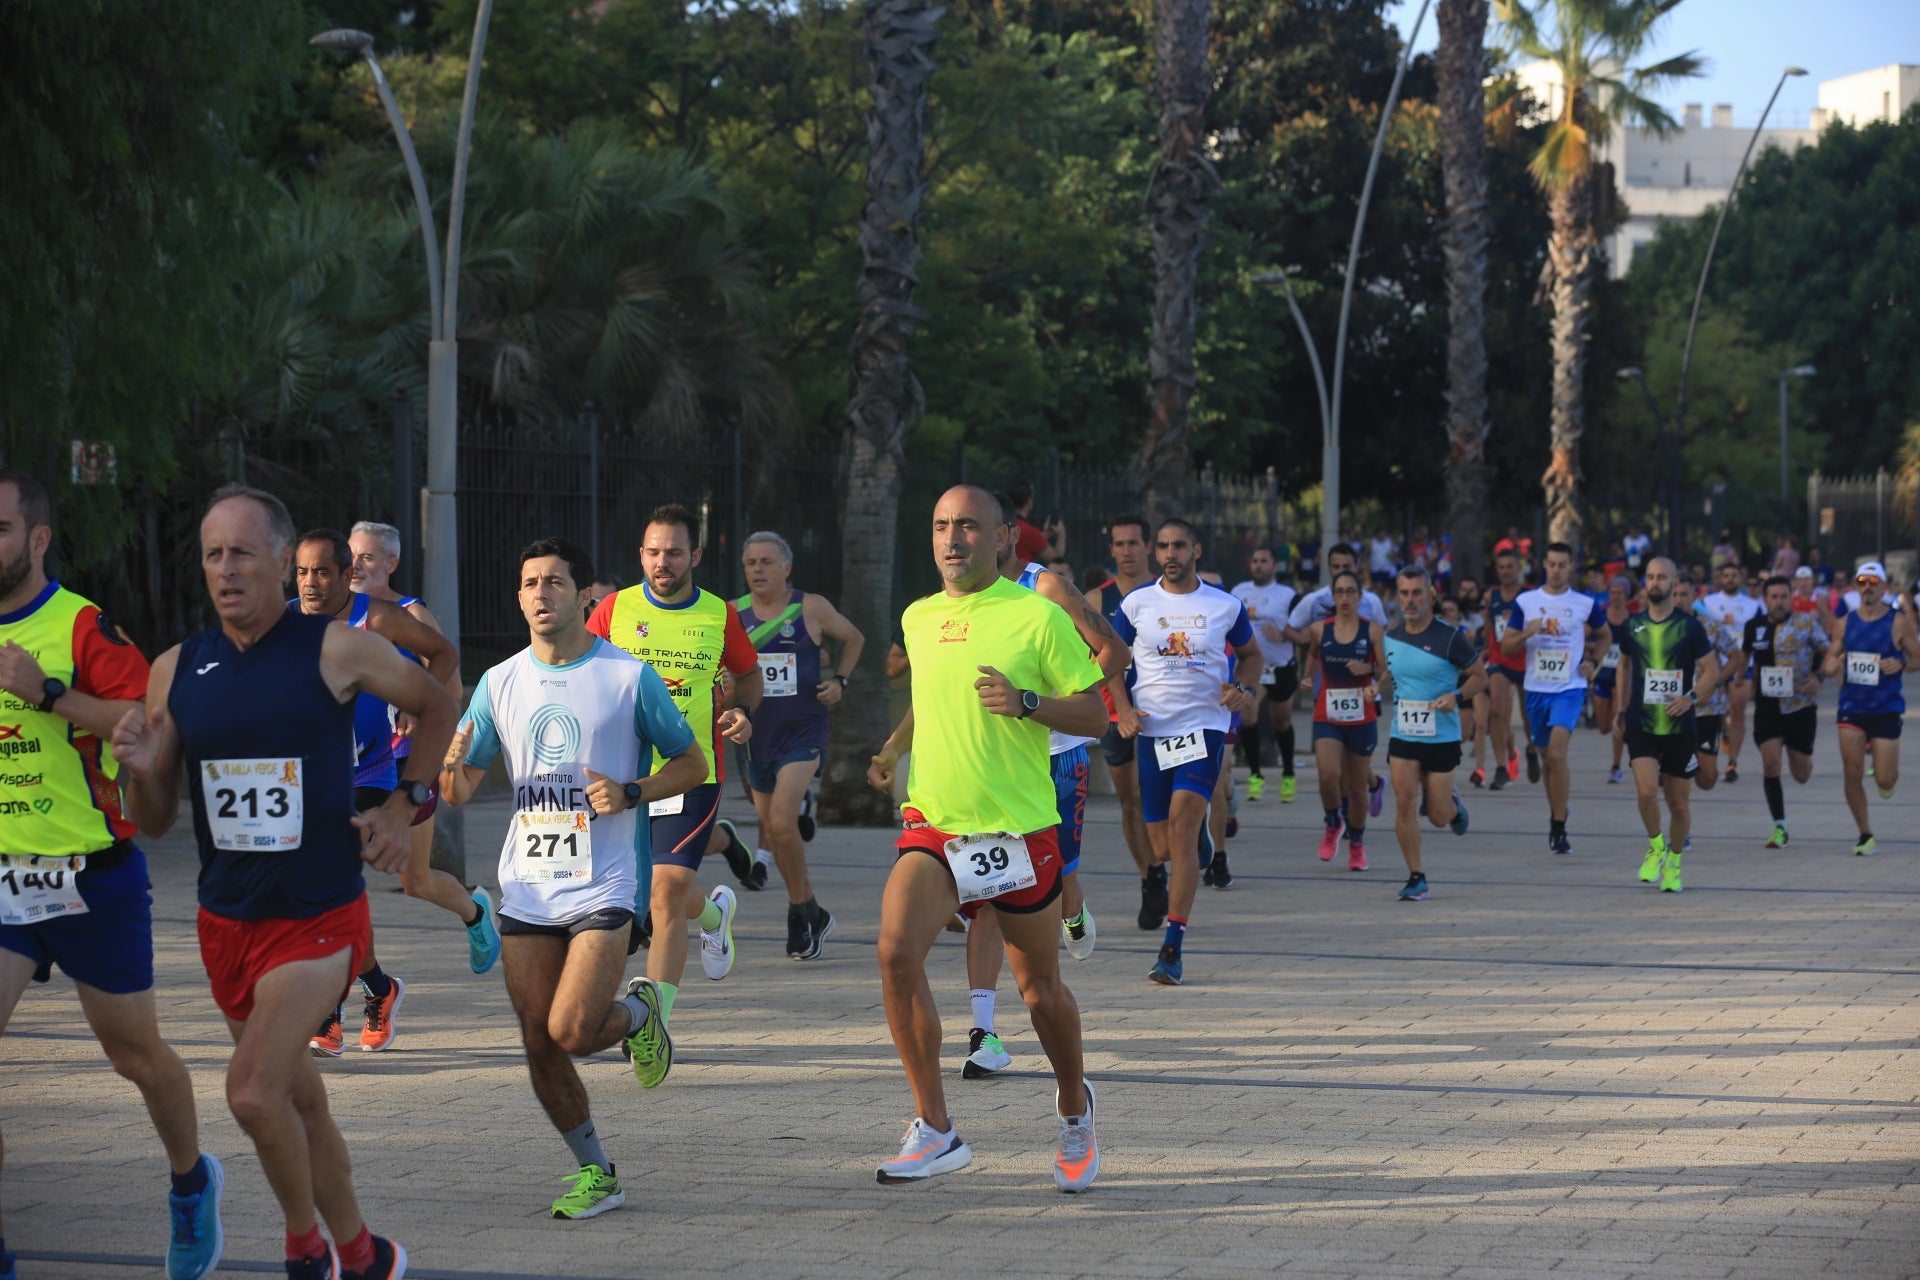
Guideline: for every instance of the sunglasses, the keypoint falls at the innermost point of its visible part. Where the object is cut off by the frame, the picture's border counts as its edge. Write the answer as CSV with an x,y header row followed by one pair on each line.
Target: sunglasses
x,y
1868,580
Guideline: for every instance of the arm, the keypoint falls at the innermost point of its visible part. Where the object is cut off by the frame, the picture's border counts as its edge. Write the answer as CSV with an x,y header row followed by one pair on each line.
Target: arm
x,y
1706,678
408,632
1906,639
881,769
897,664
679,775
146,745
23,677
1113,655
1836,648
1243,695
1515,641
828,623
1622,688
1472,681
739,660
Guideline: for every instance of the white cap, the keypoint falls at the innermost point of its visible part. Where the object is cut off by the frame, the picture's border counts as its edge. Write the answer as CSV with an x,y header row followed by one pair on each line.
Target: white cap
x,y
1803,572
1871,569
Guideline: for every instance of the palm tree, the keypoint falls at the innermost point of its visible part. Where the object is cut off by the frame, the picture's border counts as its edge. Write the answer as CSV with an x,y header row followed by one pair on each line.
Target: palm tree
x,y
1591,45
1460,66
898,38
1178,195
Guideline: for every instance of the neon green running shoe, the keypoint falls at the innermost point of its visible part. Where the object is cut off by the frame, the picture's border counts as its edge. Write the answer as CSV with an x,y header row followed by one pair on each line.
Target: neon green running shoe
x,y
1255,785
1670,876
1286,789
1655,861
1779,838
651,1047
595,1190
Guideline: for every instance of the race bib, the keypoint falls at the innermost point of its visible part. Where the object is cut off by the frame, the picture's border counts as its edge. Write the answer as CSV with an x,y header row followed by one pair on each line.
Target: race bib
x,y
1267,673
1499,628
552,845
987,866
34,897
1612,659
1776,682
1414,719
1662,687
1172,752
668,807
1346,706
1863,668
780,674
253,806
1551,666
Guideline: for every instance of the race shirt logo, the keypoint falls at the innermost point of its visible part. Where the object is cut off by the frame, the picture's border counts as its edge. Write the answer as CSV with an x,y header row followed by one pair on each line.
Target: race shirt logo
x,y
1177,646
640,628
954,631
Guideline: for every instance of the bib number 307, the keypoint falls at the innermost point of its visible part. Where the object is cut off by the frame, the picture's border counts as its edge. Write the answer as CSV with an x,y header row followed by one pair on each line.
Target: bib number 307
x,y
1173,752
986,866
34,897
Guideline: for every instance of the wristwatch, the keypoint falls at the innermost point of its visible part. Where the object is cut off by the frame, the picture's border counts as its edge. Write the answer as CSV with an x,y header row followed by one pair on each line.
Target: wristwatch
x,y
417,793
1029,703
844,680
631,790
51,692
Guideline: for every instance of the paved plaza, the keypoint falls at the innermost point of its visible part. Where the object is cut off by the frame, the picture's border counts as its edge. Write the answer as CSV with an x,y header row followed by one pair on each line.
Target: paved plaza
x,y
1548,1069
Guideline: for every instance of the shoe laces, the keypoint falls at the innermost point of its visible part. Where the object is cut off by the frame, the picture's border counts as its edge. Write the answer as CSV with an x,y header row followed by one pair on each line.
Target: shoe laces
x,y
919,1134
186,1223
1076,1139
376,1012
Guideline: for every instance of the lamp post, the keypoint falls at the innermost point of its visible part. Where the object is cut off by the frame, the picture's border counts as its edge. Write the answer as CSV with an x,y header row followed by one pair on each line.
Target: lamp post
x,y
1667,463
1798,371
1329,429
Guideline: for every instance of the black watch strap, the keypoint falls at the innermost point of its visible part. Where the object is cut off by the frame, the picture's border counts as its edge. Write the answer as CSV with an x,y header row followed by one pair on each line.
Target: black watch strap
x,y
632,792
51,691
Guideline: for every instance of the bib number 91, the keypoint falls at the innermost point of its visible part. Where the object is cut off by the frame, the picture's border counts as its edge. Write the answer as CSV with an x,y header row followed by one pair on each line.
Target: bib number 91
x,y
779,675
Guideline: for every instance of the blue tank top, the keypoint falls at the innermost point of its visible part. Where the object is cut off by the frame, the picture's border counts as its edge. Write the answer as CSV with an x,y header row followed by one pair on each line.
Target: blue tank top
x,y
269,703
1875,638
402,747
789,659
373,757
1333,674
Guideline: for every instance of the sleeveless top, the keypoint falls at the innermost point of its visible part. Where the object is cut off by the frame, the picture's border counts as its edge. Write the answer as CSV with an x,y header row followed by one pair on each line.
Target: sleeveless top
x,y
1335,678
373,758
1864,642
1058,743
269,761
789,717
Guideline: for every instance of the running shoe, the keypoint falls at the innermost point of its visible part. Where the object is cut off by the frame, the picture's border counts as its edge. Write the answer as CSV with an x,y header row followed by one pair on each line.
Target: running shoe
x,y
757,878
1559,844
1500,780
595,1190
1233,827
716,945
328,1042
483,935
925,1152
1255,785
821,926
1153,898
799,931
985,1055
739,857
1866,847
1076,1162
1376,796
1330,840
1655,861
1080,933
389,1263
1670,875
1615,777
1415,889
1733,773
958,924
1459,824
1219,875
324,1267
806,823
1886,793
806,826
6,1267
1478,778
650,1047
1533,765
1513,764
1869,762
1167,969
1778,840
377,1032
1356,855
197,1240
1286,789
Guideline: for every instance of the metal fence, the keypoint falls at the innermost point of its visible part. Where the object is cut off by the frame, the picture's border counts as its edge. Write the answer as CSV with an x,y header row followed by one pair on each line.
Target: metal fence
x,y
1871,517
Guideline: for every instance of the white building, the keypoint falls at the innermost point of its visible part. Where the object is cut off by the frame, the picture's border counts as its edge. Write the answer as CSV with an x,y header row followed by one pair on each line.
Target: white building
x,y
1691,171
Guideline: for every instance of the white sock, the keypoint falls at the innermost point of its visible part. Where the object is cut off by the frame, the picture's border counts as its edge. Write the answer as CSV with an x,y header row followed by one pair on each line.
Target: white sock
x,y
763,856
982,1009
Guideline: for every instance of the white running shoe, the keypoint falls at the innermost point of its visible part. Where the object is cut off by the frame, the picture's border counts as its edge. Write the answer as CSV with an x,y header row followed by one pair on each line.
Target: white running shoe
x,y
716,946
1080,945
924,1153
1077,1161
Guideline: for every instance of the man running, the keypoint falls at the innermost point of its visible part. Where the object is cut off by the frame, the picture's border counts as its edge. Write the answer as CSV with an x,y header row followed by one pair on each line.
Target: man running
x,y
979,822
74,889
1780,647
322,562
1871,649
1506,672
1712,718
580,722
1180,631
1431,669
1733,608
1269,603
787,628
259,714
1551,625
1661,651
690,637
1132,569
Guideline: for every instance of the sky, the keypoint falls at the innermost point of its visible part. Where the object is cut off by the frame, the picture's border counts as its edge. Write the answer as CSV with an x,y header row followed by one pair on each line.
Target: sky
x,y
1749,42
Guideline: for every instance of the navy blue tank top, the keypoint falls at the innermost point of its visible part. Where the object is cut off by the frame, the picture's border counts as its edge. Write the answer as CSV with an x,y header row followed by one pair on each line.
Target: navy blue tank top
x,y
268,706
789,659
1871,640
1333,674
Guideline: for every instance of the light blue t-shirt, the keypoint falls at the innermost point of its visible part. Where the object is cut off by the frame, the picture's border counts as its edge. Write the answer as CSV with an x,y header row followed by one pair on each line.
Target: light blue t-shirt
x,y
1426,666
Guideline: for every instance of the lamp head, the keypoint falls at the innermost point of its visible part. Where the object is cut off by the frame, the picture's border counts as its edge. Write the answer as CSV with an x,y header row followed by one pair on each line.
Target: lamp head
x,y
1802,371
343,40
1631,371
1796,71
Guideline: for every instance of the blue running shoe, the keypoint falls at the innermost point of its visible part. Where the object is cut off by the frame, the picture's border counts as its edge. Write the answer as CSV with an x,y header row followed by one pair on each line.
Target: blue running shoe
x,y
483,935
1459,824
1166,970
6,1268
197,1238
1415,889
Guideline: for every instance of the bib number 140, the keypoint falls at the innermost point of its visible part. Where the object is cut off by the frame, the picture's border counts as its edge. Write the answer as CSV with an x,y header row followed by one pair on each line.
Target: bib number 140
x,y
31,897
986,866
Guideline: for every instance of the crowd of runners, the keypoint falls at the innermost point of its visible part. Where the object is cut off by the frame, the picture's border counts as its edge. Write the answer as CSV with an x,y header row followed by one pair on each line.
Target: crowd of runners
x,y
307,752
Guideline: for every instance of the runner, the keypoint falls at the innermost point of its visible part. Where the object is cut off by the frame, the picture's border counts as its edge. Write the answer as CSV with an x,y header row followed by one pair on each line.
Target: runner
x,y
1872,646
1780,647
1733,608
1551,624
322,562
1127,542
260,711
690,637
1431,669
979,822
1619,608
1317,606
1349,651
1660,652
74,889
1712,717
787,626
1506,672
1269,603
581,723
1180,630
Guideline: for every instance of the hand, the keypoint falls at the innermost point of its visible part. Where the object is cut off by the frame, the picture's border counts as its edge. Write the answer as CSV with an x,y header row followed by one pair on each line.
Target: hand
x,y
1272,632
1673,704
1233,698
606,796
1054,527
1446,702
828,691
1620,725
1587,668
137,740
735,725
387,835
1360,668
1888,666
20,675
403,724
880,769
1810,686
457,749
997,694
1129,722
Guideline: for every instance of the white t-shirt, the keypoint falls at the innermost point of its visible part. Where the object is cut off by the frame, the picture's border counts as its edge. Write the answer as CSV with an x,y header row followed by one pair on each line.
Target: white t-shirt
x,y
1317,606
1180,655
1380,556
1269,604
1555,654
606,711
1732,611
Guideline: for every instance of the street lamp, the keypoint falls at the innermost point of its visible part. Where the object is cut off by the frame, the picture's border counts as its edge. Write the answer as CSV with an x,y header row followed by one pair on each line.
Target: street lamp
x,y
1329,430
1667,463
1798,371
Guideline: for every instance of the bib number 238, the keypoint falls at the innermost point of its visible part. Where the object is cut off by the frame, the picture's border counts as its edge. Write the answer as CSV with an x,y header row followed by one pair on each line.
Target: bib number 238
x,y
1172,752
986,866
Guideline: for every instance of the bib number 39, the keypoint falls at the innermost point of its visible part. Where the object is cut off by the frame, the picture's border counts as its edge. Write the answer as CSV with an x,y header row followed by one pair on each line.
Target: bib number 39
x,y
253,806
1175,751
33,897
986,866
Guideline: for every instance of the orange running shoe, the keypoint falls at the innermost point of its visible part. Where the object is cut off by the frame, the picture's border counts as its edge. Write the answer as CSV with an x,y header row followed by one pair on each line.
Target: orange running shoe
x,y
378,1033
329,1042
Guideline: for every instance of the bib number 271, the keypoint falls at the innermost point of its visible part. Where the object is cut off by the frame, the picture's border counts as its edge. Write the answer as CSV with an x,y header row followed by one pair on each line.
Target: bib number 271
x,y
986,866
